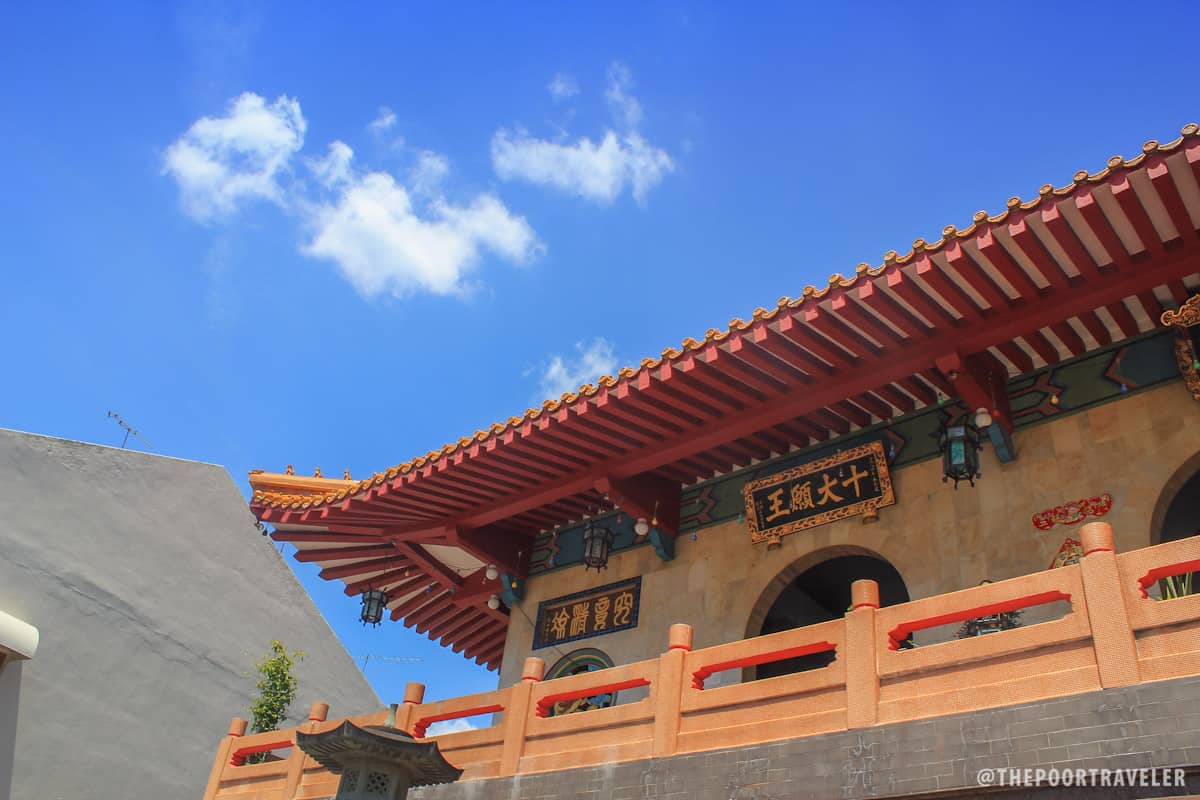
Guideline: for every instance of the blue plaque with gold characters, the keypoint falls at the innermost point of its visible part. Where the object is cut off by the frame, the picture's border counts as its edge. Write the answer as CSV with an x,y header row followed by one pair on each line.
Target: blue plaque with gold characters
x,y
849,483
605,609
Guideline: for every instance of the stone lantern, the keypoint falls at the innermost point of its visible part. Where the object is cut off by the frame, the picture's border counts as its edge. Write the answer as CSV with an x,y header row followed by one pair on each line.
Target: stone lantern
x,y
377,762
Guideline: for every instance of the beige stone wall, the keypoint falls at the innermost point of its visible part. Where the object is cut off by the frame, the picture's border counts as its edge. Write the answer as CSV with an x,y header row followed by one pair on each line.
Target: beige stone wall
x,y
939,539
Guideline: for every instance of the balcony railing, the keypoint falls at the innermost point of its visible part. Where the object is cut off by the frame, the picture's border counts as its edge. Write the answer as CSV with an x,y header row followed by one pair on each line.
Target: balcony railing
x,y
1114,635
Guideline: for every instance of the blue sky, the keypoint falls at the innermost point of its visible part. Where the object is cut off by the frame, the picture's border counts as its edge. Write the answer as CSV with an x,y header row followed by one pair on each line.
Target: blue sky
x,y
273,234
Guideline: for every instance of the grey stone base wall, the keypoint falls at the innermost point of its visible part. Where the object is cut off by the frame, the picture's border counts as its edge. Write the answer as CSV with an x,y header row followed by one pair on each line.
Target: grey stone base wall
x,y
1151,725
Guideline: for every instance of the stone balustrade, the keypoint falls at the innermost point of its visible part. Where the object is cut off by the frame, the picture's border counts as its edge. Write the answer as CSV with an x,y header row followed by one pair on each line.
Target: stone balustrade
x,y
1114,635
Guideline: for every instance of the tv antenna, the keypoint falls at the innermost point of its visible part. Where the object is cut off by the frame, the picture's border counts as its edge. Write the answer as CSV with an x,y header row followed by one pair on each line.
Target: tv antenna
x,y
387,659
128,430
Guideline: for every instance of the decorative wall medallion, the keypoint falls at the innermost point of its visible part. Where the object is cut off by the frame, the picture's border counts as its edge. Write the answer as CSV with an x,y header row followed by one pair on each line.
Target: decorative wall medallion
x,y
1070,553
1073,513
1186,322
595,612
854,481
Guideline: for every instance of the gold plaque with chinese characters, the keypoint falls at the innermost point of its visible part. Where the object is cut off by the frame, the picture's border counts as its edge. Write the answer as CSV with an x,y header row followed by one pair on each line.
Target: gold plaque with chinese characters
x,y
605,609
851,482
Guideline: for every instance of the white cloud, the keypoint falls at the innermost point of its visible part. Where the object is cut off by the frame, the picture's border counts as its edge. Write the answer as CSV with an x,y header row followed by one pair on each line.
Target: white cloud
x,y
220,162
334,168
598,171
623,105
567,375
428,173
385,235
563,87
449,726
382,123
382,243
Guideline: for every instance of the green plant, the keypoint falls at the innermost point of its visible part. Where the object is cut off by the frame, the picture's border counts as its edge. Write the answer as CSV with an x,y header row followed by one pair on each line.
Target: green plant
x,y
276,689
1176,586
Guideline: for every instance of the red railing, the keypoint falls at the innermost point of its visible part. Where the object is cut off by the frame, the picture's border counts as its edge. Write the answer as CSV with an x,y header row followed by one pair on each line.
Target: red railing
x,y
1113,635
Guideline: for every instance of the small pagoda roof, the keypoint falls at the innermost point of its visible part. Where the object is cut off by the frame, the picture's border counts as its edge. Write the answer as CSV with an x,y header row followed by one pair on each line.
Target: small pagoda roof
x,y
1075,268
423,761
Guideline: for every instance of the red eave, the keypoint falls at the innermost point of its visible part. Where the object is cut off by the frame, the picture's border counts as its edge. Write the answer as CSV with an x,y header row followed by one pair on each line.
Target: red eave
x,y
1073,269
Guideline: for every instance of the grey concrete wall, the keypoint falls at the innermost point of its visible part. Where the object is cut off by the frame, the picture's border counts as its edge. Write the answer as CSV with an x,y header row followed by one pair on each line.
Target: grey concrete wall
x,y
1147,726
154,595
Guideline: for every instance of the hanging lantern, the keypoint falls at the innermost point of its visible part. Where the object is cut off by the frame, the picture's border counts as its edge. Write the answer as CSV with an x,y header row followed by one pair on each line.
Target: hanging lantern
x,y
597,541
373,603
960,452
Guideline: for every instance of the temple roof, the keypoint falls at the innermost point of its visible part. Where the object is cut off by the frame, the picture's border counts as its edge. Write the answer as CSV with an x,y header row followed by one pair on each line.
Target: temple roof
x,y
1076,268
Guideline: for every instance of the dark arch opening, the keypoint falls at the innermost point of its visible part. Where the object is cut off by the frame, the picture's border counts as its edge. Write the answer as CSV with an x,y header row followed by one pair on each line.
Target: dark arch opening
x,y
821,593
1183,513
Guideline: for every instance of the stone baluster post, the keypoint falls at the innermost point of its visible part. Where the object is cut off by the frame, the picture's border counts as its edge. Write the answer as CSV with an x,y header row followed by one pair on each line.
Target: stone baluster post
x,y
414,695
862,669
668,690
297,760
237,729
1112,635
516,716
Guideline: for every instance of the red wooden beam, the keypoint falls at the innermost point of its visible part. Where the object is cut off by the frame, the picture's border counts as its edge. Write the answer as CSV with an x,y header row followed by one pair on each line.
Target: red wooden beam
x,y
708,379
470,620
859,317
961,263
415,602
478,637
838,331
1151,304
626,413
1096,328
324,537
785,372
906,289
883,304
1056,223
1024,237
1135,212
830,420
808,338
442,605
1098,222
897,398
927,270
1041,345
739,367
1124,319
345,553
647,402
991,249
363,567
1179,292
1019,358
1067,335
918,389
980,381
406,583
874,405
852,412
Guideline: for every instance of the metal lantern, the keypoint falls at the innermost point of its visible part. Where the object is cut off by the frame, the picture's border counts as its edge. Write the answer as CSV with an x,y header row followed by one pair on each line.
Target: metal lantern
x,y
373,603
597,541
960,448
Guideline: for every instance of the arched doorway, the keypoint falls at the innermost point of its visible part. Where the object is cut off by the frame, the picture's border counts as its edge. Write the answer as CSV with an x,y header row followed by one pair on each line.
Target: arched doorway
x,y
815,589
1177,512
577,662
